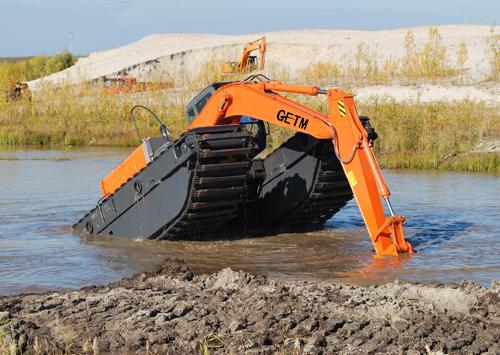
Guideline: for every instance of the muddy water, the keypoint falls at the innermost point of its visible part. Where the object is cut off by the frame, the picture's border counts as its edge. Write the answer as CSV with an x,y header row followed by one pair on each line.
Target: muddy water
x,y
453,220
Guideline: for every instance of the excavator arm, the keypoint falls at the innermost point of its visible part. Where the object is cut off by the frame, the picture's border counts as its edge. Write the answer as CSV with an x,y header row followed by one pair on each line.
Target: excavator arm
x,y
342,125
259,44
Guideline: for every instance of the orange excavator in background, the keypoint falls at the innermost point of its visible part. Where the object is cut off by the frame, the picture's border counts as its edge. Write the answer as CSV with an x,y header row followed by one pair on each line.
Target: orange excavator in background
x,y
127,85
211,181
247,61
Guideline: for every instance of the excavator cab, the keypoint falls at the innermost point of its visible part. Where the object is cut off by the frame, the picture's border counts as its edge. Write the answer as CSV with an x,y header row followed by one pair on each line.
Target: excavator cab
x,y
195,106
253,63
254,126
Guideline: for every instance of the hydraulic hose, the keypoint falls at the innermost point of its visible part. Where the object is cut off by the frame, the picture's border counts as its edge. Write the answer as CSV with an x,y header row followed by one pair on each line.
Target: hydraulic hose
x,y
163,128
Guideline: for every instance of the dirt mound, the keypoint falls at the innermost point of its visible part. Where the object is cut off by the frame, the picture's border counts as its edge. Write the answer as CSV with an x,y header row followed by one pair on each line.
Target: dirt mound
x,y
174,55
173,310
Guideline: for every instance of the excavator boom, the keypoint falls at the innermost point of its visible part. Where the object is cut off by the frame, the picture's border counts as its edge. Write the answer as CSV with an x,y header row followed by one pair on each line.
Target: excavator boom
x,y
342,125
261,45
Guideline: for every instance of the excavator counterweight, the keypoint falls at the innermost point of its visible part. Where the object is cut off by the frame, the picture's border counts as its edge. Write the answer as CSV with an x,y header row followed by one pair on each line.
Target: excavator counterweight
x,y
212,182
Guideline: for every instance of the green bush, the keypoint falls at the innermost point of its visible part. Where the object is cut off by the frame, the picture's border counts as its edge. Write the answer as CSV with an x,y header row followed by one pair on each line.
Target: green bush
x,y
33,68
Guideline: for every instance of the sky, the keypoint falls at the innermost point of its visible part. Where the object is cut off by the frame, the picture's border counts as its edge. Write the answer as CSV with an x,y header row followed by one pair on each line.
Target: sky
x,y
29,27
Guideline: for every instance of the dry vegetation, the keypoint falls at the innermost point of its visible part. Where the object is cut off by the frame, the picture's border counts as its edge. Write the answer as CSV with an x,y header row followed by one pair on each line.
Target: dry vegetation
x,y
494,56
413,135
424,64
8,344
435,135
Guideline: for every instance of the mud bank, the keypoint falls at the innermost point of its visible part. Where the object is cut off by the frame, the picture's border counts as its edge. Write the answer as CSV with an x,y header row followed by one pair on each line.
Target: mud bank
x,y
172,310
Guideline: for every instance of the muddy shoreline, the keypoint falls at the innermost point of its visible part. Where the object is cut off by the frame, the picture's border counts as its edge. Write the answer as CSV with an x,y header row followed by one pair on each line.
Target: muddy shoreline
x,y
173,310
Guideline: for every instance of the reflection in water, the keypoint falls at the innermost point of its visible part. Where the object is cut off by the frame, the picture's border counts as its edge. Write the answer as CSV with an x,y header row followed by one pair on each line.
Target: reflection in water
x,y
452,221
377,270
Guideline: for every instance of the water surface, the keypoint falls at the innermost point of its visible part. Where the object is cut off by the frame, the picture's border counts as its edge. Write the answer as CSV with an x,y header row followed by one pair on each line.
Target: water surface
x,y
452,221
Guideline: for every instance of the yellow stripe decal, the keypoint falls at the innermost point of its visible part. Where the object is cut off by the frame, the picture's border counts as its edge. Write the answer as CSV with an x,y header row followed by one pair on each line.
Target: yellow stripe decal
x,y
352,178
342,108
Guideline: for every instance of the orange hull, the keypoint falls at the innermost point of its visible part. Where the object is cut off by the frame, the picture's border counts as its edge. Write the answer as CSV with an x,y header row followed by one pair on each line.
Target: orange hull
x,y
135,162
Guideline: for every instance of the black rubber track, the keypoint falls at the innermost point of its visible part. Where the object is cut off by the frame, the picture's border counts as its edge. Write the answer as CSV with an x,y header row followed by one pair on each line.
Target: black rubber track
x,y
330,193
219,184
306,186
223,181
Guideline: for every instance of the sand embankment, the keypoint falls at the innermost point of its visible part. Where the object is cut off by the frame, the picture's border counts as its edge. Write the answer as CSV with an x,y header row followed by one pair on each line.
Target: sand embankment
x,y
171,57
172,310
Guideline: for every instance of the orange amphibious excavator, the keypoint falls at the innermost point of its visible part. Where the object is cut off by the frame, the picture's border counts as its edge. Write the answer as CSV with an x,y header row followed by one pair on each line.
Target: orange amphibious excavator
x,y
247,61
211,180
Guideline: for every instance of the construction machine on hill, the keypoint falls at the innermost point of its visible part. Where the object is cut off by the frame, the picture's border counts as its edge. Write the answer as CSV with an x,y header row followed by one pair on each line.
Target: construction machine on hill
x,y
127,85
211,182
19,91
247,61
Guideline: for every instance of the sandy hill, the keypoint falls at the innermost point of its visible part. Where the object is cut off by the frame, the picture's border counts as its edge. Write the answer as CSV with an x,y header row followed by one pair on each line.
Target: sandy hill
x,y
173,56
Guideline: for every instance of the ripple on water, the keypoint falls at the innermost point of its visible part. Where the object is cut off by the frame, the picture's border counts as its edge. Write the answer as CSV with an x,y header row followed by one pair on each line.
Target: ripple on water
x,y
452,221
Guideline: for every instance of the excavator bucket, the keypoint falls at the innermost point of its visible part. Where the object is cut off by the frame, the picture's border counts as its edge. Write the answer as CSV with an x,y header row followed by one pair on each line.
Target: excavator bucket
x,y
212,182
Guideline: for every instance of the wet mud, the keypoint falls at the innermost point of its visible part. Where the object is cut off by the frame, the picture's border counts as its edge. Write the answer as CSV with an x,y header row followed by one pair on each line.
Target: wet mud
x,y
173,310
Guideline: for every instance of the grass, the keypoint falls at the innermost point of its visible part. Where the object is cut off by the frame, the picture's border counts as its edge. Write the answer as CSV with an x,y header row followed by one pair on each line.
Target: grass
x,y
412,135
434,135
323,73
426,63
210,344
82,116
494,55
64,339
8,343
